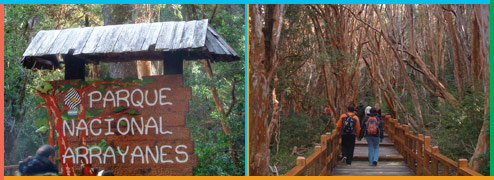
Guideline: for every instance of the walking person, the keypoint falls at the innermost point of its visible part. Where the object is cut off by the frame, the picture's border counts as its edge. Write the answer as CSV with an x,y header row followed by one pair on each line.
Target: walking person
x,y
373,133
349,126
366,114
360,112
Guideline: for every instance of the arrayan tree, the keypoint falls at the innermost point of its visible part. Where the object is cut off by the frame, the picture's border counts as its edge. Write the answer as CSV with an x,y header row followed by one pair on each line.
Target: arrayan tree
x,y
426,65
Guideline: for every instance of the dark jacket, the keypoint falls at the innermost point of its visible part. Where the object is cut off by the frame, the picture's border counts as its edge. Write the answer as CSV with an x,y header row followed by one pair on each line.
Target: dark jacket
x,y
38,166
364,126
361,113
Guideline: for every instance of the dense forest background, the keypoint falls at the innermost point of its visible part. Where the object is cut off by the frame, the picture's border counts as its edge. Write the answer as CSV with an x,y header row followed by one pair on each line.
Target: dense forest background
x,y
426,65
216,111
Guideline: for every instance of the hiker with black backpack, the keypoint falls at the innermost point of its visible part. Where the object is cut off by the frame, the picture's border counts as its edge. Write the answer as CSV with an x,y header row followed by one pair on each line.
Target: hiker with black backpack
x,y
349,126
372,130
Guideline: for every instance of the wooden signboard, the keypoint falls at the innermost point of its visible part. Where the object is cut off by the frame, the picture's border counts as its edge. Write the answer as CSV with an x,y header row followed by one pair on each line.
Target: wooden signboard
x,y
132,127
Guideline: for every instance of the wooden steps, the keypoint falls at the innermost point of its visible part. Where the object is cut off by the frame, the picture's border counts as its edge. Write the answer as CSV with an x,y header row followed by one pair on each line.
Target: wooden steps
x,y
391,163
381,158
380,144
362,168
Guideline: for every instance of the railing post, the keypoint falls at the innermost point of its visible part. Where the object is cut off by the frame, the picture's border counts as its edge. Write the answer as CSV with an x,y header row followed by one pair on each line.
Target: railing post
x,y
427,148
405,145
399,133
411,145
316,167
462,163
435,164
445,170
420,161
324,147
301,162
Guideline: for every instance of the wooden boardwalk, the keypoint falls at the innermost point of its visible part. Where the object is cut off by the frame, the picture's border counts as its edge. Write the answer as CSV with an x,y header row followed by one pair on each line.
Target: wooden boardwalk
x,y
390,162
402,153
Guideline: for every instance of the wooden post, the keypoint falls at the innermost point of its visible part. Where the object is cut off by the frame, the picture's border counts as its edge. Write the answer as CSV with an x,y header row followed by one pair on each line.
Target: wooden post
x,y
318,149
435,164
405,145
420,161
316,167
173,63
445,170
462,163
324,155
301,162
411,148
74,67
427,148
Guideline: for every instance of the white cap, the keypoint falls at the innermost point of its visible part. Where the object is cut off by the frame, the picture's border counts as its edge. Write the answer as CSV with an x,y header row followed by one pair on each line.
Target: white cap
x,y
367,110
100,173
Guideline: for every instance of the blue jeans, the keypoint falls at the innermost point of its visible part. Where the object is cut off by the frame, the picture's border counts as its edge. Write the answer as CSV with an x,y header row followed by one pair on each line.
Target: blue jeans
x,y
373,142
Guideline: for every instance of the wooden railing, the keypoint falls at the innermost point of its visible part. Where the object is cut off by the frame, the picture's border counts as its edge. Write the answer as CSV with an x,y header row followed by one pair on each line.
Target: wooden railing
x,y
9,170
419,155
416,150
322,161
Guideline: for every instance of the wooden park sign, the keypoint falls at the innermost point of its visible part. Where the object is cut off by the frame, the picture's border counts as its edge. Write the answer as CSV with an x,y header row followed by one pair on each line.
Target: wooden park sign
x,y
132,127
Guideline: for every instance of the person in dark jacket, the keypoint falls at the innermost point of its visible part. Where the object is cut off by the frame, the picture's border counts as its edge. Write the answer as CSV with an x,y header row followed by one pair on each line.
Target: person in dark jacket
x,y
360,112
349,126
43,164
372,130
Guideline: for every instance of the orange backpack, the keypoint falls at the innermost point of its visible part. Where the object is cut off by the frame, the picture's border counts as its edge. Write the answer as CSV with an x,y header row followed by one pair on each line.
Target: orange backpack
x,y
372,126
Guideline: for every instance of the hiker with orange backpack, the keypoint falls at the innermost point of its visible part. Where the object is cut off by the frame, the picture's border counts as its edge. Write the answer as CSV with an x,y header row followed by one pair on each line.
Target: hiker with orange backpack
x,y
372,130
349,126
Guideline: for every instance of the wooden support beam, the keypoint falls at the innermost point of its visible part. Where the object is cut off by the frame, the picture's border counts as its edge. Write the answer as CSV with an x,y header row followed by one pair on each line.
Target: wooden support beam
x,y
74,67
173,63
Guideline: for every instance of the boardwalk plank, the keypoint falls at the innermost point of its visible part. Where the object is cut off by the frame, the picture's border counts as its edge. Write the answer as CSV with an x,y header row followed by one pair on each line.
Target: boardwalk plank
x,y
360,166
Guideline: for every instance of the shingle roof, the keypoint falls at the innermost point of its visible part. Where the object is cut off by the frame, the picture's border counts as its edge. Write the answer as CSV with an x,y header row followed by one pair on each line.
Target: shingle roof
x,y
129,42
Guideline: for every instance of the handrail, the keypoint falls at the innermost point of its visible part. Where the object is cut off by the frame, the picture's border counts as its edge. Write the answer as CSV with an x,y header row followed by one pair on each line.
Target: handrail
x,y
322,161
418,153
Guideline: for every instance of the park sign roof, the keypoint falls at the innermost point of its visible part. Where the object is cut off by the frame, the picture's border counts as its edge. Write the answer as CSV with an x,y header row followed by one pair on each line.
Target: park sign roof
x,y
126,42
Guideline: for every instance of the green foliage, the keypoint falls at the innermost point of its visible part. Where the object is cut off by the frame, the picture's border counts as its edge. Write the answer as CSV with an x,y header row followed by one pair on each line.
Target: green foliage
x,y
42,129
460,125
90,113
103,145
296,129
41,122
119,109
134,112
45,87
211,144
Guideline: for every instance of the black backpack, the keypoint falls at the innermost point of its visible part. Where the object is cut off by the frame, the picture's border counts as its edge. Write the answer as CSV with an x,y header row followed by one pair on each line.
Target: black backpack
x,y
348,124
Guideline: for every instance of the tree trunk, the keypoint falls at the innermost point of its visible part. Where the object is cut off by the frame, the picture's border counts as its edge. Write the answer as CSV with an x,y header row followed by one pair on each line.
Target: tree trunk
x,y
221,110
264,38
457,51
482,20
